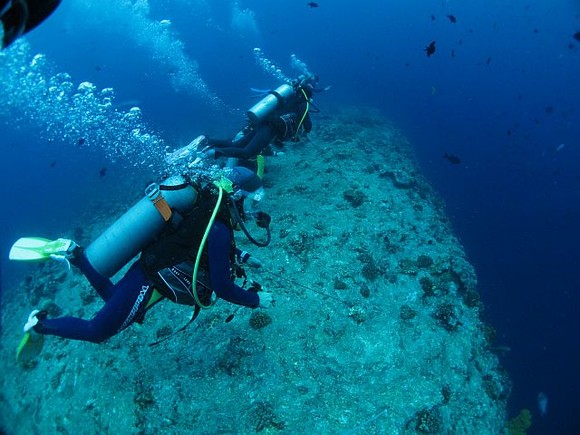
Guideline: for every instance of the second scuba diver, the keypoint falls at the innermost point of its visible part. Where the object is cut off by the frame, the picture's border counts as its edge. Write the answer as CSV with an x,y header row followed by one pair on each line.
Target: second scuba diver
x,y
282,115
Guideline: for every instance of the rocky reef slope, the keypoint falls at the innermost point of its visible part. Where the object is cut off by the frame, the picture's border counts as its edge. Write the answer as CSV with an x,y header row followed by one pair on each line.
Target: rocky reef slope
x,y
376,326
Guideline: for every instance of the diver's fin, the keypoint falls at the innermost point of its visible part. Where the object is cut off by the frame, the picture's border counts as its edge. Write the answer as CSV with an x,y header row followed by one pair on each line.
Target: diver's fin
x,y
30,346
38,249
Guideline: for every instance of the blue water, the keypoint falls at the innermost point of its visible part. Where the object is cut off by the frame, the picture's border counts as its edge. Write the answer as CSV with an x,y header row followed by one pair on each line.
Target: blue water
x,y
501,92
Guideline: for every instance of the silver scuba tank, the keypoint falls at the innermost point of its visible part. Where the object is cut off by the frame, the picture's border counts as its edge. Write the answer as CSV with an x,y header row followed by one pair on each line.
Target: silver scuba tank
x,y
267,105
140,224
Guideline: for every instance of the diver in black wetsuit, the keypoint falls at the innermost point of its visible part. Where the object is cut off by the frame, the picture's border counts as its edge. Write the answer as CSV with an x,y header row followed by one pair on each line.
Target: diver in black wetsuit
x,y
166,267
21,16
283,115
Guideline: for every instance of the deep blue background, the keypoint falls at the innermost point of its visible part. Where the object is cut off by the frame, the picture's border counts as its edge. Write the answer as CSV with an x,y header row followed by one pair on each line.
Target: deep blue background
x,y
504,102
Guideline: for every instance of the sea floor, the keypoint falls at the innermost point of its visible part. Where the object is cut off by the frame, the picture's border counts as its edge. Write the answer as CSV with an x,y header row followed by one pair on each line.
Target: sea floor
x,y
376,326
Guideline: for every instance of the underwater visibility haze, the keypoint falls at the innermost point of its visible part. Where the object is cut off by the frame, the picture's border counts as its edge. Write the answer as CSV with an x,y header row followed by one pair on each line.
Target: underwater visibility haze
x,y
425,241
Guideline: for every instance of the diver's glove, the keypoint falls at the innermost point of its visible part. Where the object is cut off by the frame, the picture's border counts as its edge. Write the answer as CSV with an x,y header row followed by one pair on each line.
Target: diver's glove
x,y
266,300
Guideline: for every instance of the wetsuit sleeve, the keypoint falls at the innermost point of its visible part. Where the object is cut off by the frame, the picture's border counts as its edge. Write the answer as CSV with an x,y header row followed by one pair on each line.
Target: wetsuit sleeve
x,y
219,268
261,139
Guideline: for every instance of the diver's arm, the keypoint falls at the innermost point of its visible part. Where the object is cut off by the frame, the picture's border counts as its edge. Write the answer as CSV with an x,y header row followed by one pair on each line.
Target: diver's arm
x,y
219,246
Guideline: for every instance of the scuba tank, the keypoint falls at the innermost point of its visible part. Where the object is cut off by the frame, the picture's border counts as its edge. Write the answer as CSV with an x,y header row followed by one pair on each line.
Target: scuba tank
x,y
140,225
274,100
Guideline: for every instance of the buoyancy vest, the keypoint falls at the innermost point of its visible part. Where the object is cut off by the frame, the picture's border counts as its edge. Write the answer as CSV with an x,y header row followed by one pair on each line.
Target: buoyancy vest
x,y
169,260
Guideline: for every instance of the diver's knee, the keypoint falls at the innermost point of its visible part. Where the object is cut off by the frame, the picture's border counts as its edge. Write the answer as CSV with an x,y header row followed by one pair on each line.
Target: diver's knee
x,y
100,333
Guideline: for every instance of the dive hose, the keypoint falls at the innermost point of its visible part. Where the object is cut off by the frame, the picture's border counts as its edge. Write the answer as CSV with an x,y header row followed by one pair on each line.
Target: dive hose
x,y
200,250
240,221
304,114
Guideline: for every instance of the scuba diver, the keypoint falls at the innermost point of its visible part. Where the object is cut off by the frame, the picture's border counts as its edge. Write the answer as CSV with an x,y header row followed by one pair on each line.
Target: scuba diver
x,y
183,232
282,115
21,16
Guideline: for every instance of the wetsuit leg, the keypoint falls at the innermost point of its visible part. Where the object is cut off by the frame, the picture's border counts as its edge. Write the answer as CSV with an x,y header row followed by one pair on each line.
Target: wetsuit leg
x,y
101,284
262,136
127,303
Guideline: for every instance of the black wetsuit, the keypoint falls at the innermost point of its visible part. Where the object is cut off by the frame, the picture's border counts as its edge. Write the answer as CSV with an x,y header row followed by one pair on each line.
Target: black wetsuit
x,y
255,139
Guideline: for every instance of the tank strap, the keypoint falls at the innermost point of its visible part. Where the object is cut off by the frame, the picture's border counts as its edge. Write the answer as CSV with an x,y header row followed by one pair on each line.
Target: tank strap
x,y
153,192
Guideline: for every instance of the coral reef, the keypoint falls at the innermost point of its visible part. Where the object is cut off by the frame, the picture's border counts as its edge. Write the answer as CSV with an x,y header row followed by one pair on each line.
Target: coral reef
x,y
376,326
259,320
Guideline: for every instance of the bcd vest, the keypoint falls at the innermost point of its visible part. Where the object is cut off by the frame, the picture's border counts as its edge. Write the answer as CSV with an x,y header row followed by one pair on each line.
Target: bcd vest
x,y
169,260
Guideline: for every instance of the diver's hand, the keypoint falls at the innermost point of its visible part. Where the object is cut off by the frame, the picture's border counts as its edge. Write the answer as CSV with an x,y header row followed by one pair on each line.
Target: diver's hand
x,y
266,299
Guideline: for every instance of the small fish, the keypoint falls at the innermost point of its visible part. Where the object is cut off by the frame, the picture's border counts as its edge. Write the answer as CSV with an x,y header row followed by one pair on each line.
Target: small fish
x,y
543,404
81,141
102,172
453,159
430,49
560,147
452,18
549,109
433,17
452,54
488,61
53,164
577,36
230,318
312,4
